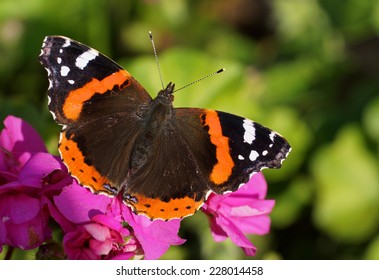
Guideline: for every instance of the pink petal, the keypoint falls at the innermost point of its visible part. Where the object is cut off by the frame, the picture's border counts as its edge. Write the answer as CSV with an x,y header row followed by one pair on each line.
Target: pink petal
x,y
76,238
100,247
29,235
37,167
236,235
108,221
257,185
217,232
3,234
253,208
155,236
6,176
79,204
19,208
65,224
124,256
98,232
11,187
21,139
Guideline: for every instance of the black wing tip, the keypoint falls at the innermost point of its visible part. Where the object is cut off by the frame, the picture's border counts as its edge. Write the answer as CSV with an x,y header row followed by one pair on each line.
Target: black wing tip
x,y
281,155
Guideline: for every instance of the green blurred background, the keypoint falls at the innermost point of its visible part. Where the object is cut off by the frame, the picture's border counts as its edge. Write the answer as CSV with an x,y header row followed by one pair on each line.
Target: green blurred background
x,y
306,68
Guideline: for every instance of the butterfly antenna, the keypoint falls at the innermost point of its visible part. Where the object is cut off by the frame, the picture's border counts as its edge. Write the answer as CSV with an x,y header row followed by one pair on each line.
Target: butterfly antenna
x,y
203,78
156,58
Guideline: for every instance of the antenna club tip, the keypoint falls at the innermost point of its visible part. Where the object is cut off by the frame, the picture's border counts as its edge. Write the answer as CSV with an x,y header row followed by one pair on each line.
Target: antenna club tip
x,y
150,34
221,70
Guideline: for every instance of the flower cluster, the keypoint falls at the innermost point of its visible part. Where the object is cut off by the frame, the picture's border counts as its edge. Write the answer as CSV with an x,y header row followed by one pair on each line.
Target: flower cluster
x,y
36,188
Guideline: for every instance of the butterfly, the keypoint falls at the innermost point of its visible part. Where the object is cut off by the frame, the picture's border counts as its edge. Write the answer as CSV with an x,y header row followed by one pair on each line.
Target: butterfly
x,y
162,161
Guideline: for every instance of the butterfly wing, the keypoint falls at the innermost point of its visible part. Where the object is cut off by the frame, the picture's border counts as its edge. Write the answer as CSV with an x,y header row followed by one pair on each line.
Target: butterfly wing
x,y
209,151
233,148
95,100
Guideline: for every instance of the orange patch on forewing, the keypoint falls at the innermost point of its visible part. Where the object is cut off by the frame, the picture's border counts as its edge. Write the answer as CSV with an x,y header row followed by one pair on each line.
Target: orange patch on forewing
x,y
223,168
73,104
154,208
73,158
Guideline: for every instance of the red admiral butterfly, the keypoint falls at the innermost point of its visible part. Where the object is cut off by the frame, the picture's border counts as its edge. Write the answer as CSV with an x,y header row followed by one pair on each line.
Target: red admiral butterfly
x,y
117,140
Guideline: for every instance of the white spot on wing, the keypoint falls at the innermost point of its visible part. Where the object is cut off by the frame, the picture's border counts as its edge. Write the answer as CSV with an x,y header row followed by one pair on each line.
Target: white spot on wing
x,y
264,153
64,71
59,60
240,157
83,59
66,43
253,155
249,135
71,82
272,135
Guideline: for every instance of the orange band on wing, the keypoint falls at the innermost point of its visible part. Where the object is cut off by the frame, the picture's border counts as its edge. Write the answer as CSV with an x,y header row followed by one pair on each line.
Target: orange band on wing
x,y
223,168
156,209
73,104
73,158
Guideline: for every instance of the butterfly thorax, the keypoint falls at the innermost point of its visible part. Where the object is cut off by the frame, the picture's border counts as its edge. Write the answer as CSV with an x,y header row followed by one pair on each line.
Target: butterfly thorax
x,y
158,120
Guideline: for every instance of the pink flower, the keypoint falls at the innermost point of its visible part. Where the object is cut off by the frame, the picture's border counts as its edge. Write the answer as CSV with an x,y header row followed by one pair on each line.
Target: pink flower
x,y
101,227
35,186
27,182
102,238
242,212
18,142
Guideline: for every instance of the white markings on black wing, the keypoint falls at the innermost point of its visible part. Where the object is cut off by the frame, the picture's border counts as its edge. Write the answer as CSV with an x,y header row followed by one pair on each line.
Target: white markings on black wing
x,y
264,144
64,71
67,43
272,136
50,79
267,149
253,146
83,59
253,155
249,135
62,55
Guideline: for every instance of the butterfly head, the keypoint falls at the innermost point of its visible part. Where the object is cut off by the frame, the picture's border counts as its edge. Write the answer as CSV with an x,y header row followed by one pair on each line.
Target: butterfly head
x,y
166,96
